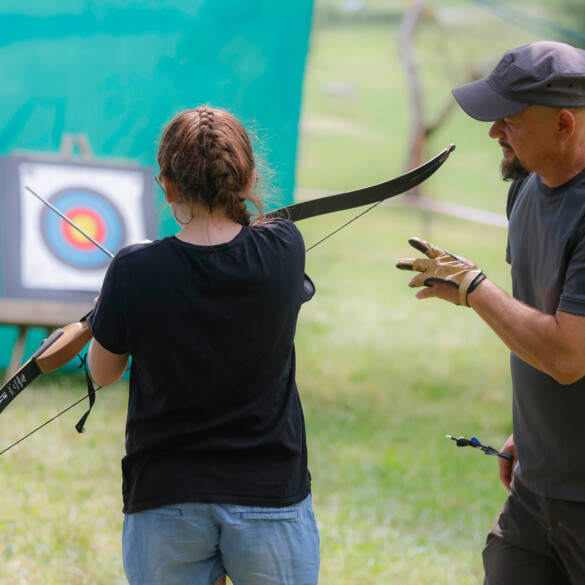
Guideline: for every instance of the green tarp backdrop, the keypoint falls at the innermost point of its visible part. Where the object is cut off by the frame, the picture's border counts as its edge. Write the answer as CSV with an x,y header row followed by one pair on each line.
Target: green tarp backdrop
x,y
116,71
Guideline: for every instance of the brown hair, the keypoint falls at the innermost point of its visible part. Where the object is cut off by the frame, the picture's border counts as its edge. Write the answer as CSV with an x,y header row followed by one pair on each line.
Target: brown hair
x,y
207,154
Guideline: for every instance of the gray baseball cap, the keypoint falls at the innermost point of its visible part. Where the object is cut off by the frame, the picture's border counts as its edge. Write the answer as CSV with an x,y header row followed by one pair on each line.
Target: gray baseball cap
x,y
544,73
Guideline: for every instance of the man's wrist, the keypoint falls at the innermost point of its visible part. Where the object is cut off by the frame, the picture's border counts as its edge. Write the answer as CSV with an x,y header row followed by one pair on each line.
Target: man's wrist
x,y
478,280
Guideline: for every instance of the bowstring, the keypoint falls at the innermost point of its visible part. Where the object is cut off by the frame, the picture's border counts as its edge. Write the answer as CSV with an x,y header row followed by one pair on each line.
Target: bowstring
x,y
49,421
345,225
100,387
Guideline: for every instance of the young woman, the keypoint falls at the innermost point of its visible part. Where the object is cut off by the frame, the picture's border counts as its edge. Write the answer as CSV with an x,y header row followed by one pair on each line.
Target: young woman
x,y
215,477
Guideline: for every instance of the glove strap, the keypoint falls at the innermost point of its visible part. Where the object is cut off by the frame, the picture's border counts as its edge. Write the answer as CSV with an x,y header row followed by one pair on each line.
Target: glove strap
x,y
468,279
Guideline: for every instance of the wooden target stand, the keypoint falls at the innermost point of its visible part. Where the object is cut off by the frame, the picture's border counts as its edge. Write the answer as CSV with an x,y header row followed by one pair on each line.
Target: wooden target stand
x,y
50,315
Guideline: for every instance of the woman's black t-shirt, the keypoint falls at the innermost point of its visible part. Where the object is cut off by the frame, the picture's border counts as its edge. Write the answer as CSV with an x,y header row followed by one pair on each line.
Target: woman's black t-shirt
x,y
213,414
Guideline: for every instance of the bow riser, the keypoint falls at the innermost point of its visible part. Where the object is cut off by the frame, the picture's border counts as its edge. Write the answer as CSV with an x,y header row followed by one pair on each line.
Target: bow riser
x,y
56,351
71,340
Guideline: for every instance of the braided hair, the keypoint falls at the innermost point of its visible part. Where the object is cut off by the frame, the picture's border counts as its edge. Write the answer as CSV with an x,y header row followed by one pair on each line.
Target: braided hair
x,y
207,154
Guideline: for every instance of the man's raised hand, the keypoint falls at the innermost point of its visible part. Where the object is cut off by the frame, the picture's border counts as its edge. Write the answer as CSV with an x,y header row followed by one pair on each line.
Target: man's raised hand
x,y
441,266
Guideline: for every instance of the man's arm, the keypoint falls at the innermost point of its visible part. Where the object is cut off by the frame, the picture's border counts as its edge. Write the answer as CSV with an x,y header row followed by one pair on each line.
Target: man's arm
x,y
554,344
106,367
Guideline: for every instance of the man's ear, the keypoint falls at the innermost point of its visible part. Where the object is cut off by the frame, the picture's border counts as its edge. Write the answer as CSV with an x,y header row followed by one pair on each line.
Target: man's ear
x,y
565,124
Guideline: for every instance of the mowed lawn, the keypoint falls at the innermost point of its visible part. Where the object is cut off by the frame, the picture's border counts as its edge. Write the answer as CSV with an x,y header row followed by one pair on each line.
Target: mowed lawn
x,y
383,377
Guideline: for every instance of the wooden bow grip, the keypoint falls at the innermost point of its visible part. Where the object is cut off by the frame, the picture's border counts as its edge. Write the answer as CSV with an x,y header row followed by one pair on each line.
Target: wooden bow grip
x,y
62,346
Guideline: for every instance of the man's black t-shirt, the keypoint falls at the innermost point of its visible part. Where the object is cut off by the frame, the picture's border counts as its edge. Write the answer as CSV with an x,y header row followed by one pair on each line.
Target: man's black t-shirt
x,y
214,414
546,248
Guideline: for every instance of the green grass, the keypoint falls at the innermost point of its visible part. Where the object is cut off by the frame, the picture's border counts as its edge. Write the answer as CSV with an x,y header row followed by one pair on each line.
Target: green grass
x,y
383,376
60,518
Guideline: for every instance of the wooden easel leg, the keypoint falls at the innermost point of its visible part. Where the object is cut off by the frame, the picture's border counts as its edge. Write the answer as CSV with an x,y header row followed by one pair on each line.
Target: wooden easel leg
x,y
17,352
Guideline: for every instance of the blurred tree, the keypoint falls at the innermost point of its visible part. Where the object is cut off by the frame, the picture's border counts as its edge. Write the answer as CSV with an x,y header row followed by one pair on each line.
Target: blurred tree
x,y
420,128
572,15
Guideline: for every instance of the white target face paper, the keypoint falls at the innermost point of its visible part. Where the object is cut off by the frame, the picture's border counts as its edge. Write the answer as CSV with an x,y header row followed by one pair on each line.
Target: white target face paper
x,y
107,202
44,263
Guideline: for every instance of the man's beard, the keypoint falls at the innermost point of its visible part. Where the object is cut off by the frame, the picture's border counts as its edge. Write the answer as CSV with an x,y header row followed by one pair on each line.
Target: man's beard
x,y
513,170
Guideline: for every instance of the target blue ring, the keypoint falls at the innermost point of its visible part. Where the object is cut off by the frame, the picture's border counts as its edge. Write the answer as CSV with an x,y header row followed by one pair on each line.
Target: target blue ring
x,y
72,199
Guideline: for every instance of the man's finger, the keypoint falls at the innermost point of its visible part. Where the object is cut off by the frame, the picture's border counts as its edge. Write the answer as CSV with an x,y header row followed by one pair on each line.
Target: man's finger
x,y
441,266
417,280
425,247
418,264
406,263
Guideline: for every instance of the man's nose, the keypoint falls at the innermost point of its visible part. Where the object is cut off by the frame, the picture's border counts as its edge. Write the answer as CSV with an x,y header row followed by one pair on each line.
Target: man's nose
x,y
497,129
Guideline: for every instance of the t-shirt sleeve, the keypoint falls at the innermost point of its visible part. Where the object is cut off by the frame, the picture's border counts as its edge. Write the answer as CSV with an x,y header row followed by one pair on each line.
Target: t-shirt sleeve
x,y
573,295
512,195
292,232
106,322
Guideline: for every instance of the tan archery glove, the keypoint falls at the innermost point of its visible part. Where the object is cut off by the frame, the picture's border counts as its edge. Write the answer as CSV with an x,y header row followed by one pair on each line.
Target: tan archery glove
x,y
441,266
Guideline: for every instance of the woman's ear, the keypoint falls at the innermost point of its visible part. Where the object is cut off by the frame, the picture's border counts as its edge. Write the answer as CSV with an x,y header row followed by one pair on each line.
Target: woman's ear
x,y
169,190
252,182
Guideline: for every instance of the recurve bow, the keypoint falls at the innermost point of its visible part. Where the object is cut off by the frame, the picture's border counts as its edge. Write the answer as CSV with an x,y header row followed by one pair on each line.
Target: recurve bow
x,y
65,343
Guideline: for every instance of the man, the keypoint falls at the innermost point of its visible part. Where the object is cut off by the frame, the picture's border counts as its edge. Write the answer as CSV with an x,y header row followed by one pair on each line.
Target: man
x,y
535,99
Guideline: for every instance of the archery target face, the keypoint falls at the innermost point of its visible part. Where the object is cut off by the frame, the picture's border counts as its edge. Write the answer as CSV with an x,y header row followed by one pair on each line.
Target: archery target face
x,y
106,203
91,212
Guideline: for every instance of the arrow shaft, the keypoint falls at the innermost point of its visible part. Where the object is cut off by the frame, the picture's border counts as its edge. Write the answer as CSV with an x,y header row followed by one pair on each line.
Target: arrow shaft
x,y
72,224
